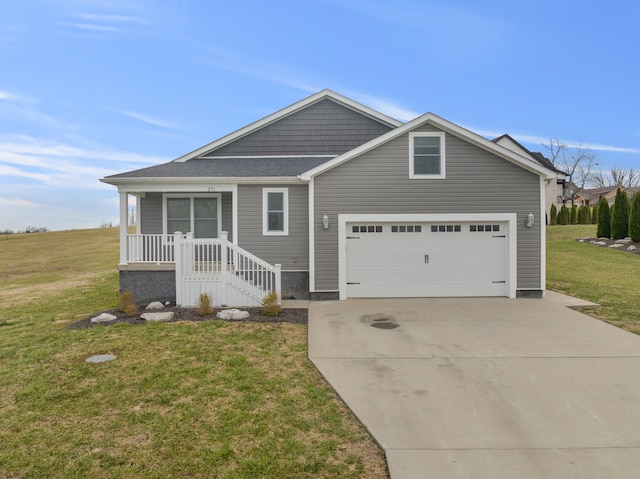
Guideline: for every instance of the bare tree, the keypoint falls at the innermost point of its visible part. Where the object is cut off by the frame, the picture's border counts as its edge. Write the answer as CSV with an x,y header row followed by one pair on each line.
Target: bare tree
x,y
577,162
626,177
132,215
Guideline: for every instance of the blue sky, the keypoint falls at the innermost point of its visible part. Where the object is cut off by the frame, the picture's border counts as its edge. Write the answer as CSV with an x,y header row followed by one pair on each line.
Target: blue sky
x,y
90,88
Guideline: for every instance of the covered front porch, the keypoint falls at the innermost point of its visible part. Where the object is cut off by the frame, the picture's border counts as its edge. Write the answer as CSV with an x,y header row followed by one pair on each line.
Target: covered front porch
x,y
157,263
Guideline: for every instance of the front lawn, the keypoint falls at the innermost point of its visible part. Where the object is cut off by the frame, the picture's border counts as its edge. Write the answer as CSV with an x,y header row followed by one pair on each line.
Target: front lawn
x,y
605,276
188,399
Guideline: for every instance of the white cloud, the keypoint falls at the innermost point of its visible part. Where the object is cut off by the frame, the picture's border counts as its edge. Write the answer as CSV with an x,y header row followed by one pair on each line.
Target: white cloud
x,y
91,27
16,202
148,119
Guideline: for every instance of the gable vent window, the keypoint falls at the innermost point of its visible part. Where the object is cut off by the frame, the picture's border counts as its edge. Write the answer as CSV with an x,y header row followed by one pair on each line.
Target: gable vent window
x,y
406,229
367,229
483,228
426,155
446,228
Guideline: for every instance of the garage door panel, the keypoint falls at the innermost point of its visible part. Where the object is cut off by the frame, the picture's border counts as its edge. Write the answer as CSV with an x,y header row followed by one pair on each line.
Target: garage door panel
x,y
428,260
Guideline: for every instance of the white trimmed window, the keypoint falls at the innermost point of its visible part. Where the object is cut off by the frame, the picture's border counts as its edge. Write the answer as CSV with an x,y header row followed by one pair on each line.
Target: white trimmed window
x,y
198,214
426,155
275,211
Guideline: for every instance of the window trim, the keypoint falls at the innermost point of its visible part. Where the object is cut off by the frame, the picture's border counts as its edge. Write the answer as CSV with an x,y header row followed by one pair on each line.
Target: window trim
x,y
431,134
191,197
285,212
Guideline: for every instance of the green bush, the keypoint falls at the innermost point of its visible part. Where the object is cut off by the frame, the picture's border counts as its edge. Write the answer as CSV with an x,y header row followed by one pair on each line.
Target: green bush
x,y
634,218
620,216
563,216
594,215
574,214
584,215
604,219
553,215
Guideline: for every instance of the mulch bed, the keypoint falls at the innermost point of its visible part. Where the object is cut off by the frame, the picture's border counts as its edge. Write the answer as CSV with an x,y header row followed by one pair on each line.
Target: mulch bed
x,y
288,315
608,242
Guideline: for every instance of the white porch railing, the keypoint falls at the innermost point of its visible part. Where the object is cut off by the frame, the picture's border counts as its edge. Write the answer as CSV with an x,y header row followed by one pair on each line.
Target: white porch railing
x,y
150,248
228,273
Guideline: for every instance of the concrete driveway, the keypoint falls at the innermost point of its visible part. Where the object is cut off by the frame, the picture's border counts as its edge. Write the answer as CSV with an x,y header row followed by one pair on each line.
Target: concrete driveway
x,y
485,387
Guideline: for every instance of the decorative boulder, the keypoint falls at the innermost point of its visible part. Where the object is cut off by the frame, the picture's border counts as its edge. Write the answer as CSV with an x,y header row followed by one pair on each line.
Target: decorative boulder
x,y
167,316
155,305
632,248
103,318
232,314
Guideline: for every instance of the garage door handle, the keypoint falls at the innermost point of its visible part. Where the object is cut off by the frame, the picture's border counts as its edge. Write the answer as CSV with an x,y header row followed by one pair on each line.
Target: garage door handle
x,y
426,259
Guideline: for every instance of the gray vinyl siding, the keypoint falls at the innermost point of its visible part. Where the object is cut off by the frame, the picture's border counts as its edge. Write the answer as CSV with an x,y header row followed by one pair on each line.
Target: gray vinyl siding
x,y
325,128
476,182
151,213
292,250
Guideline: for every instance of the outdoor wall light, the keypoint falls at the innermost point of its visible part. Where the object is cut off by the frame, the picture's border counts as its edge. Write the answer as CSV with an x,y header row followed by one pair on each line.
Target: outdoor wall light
x,y
530,220
325,222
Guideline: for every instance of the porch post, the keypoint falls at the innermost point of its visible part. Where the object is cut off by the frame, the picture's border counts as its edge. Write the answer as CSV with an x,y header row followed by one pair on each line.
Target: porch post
x,y
177,256
278,271
224,267
124,207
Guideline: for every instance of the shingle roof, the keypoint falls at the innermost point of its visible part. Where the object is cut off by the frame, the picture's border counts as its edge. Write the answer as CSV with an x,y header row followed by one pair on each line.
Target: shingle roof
x,y
228,167
536,155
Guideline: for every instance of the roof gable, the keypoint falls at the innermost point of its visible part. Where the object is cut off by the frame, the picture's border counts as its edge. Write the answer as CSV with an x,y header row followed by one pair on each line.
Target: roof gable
x,y
526,162
323,124
508,142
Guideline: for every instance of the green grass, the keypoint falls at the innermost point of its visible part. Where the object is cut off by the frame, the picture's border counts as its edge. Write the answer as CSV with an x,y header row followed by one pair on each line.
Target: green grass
x,y
202,399
605,276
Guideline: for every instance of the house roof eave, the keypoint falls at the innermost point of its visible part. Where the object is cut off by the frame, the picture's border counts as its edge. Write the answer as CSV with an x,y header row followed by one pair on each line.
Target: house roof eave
x,y
193,184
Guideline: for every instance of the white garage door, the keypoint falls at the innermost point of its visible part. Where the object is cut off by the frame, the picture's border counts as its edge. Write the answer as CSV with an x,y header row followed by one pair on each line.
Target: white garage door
x,y
427,259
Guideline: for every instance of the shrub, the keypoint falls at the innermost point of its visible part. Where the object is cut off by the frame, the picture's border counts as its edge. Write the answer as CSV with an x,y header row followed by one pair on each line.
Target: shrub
x,y
620,216
127,304
584,215
270,306
574,214
634,218
553,215
130,310
563,216
204,305
594,215
604,219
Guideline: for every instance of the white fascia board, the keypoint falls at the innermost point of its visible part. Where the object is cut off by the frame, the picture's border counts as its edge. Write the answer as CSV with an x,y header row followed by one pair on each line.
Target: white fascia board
x,y
321,95
445,125
180,185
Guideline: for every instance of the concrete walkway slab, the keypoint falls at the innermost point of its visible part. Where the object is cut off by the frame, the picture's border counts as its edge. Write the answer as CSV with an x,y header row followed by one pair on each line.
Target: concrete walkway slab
x,y
485,387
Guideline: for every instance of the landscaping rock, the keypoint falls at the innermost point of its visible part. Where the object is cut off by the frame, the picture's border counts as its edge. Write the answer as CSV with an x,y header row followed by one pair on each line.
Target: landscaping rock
x,y
155,305
168,316
600,243
100,358
632,248
234,314
624,241
103,318
616,245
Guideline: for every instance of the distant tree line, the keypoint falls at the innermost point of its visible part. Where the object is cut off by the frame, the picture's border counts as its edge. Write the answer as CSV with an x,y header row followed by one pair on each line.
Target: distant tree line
x,y
619,221
28,229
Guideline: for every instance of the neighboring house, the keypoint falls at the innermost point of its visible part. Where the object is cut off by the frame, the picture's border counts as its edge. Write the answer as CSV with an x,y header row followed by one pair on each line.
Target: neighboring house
x,y
590,197
554,190
348,201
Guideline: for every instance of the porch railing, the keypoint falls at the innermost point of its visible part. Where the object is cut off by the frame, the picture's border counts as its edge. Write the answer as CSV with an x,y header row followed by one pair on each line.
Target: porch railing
x,y
205,261
144,248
